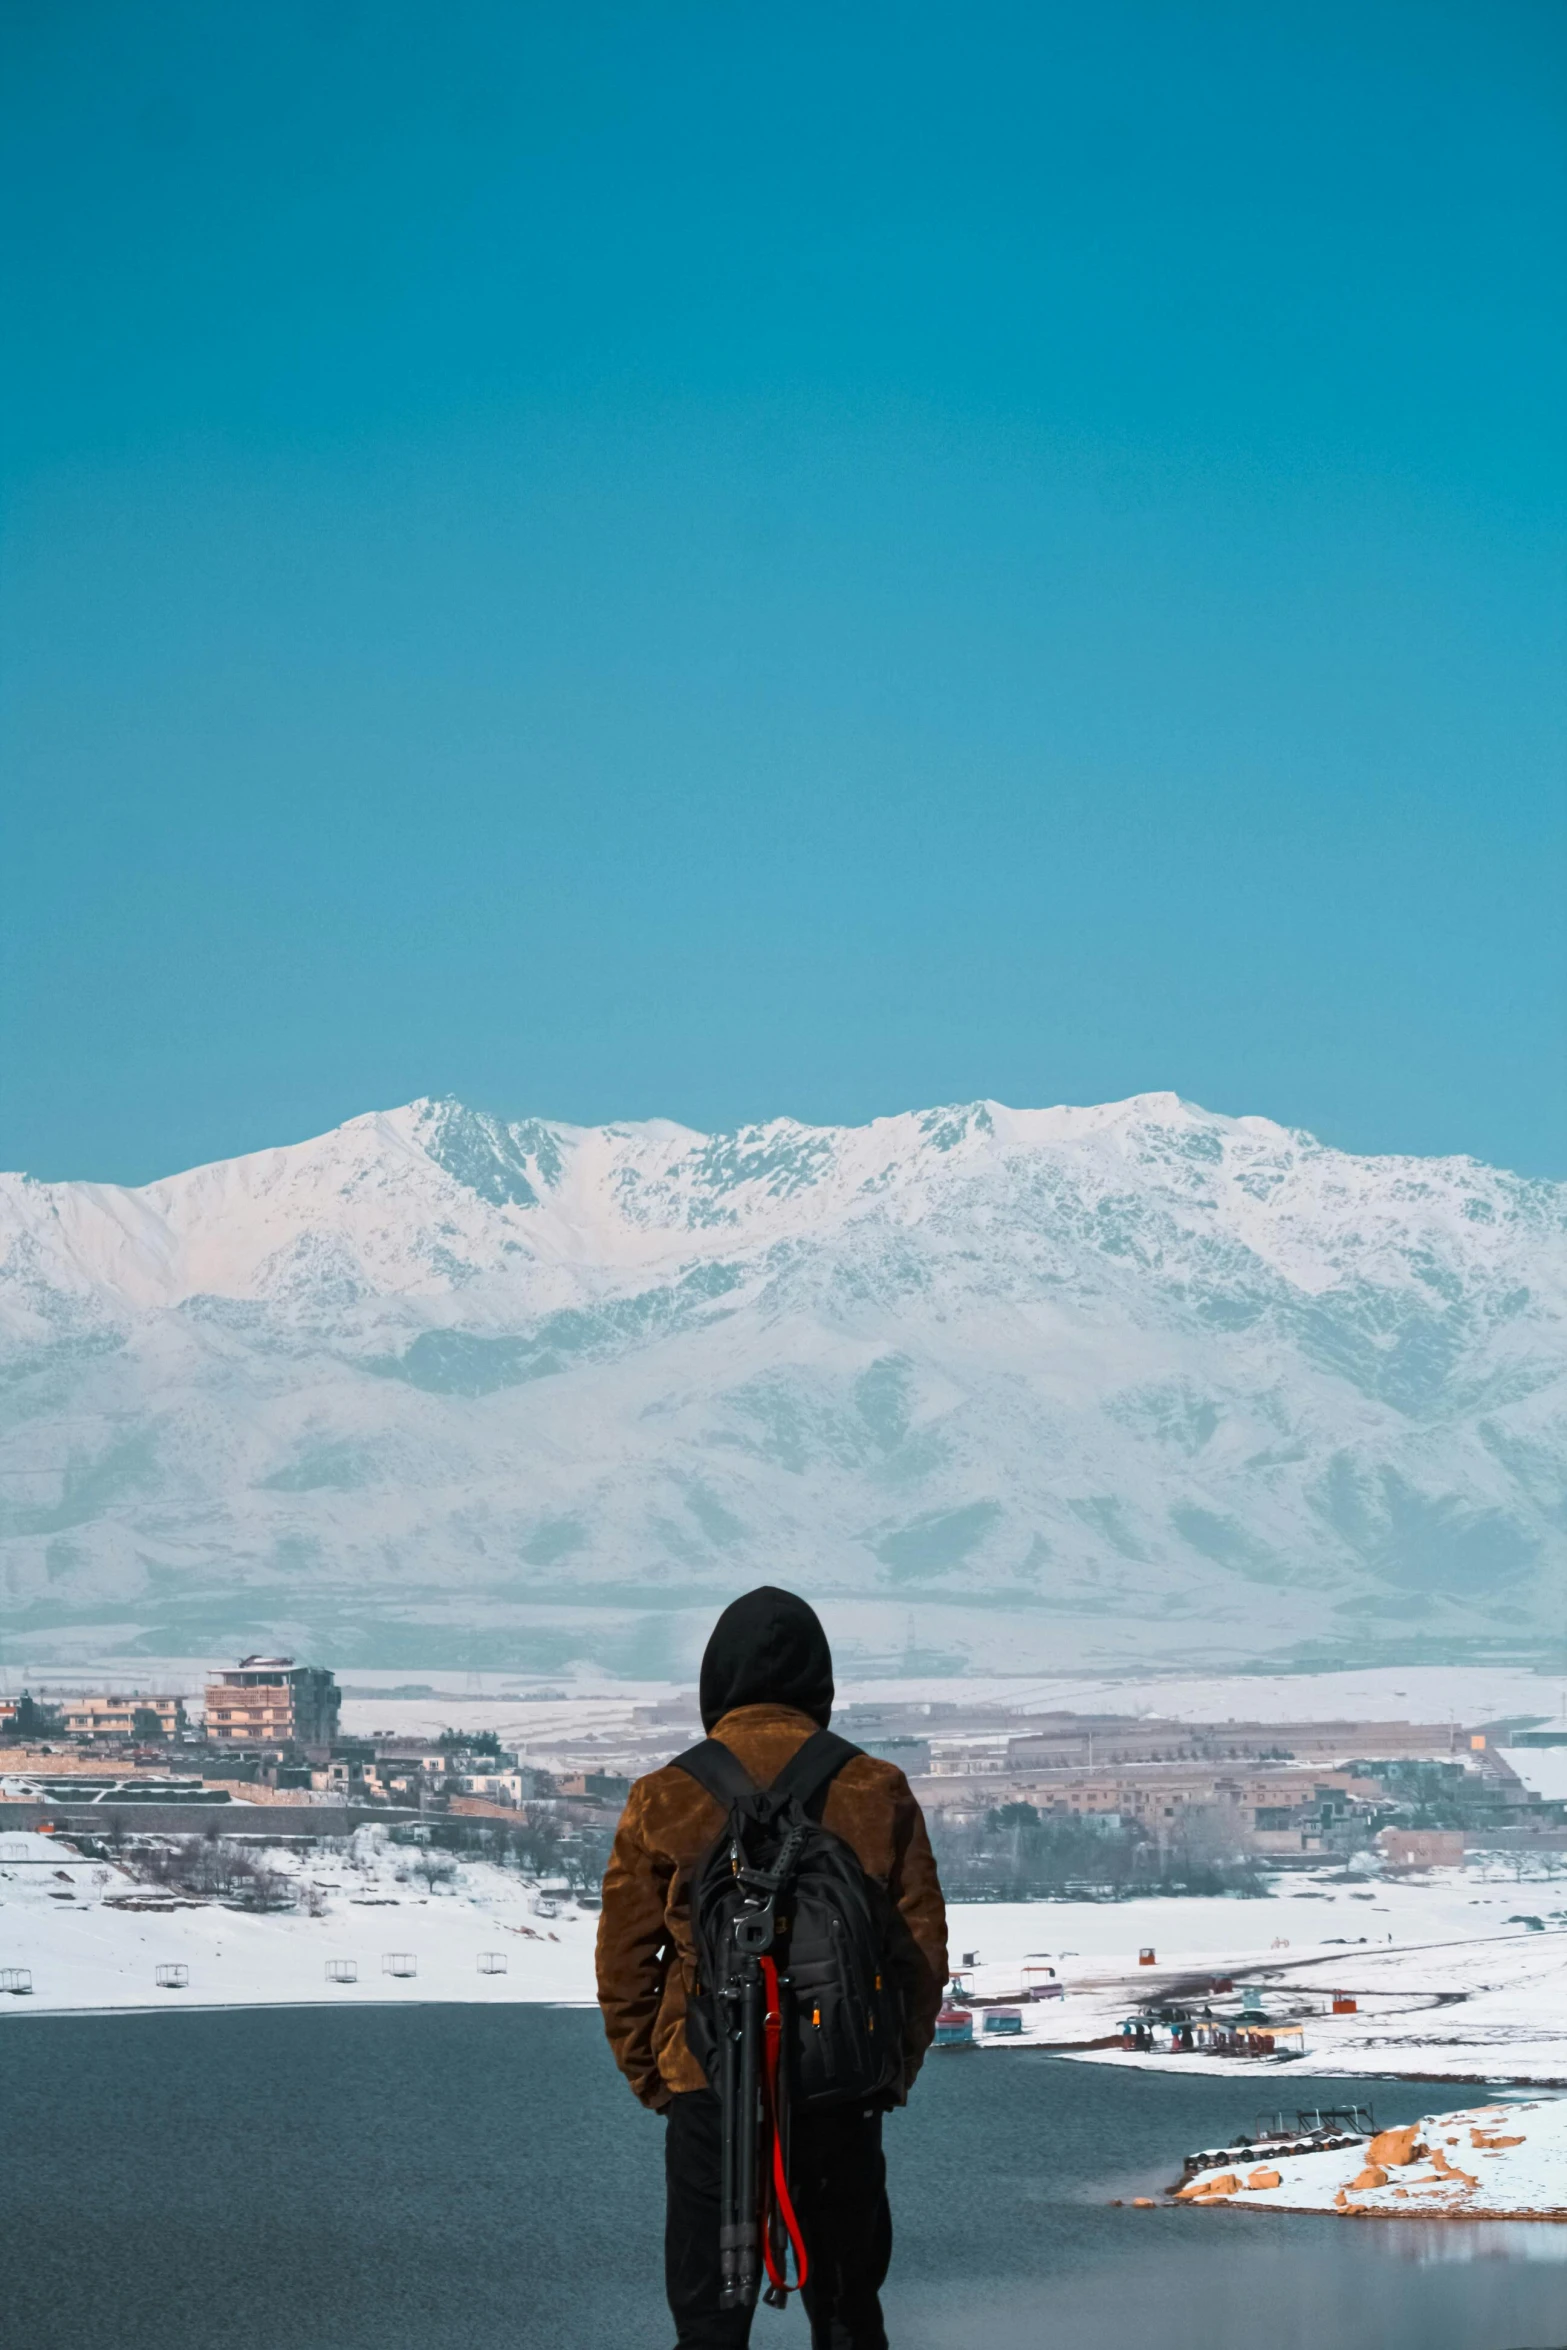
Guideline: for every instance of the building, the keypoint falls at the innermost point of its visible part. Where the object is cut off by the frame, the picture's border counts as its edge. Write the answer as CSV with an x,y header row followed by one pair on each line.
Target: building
x,y
509,1787
1281,1830
596,1786
1147,1796
269,1701
134,1716
1421,1848
344,1776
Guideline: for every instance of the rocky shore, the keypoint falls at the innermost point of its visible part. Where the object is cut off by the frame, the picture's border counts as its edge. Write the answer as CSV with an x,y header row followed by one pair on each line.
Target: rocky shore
x,y
1505,2160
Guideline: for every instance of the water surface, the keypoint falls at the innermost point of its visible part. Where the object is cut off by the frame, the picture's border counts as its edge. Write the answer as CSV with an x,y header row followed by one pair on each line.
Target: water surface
x,y
461,2178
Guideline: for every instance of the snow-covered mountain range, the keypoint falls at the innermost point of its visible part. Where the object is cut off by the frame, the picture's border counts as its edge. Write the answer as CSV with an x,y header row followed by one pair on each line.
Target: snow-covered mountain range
x,y
1049,1387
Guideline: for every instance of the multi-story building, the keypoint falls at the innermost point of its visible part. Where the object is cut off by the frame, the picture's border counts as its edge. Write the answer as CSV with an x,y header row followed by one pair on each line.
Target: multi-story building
x,y
132,1716
1280,1811
272,1703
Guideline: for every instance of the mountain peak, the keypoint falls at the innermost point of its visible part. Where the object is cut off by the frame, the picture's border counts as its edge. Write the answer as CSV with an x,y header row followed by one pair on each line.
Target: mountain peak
x,y
1123,1378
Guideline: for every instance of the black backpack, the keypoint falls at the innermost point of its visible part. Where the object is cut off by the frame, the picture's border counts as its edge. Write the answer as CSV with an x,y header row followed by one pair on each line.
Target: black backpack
x,y
777,1881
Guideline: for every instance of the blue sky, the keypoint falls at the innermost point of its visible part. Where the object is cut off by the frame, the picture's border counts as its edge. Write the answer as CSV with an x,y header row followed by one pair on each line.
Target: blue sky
x,y
717,562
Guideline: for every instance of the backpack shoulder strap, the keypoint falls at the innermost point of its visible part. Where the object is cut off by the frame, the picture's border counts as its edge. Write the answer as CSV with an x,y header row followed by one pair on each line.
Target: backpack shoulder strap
x,y
717,1769
809,1770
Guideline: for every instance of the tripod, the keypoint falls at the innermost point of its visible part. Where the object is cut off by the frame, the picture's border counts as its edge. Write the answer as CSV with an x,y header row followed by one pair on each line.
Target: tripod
x,y
756,2218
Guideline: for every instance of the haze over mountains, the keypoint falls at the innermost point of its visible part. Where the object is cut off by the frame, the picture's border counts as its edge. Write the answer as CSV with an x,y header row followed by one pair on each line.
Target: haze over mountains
x,y
1065,1387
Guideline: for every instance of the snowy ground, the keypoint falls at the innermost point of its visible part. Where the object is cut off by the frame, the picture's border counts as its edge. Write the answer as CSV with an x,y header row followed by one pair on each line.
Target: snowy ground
x,y
1506,2160
85,1952
1447,1983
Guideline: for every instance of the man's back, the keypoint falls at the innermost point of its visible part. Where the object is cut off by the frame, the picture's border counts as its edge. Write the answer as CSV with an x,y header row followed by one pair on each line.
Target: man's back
x,y
646,1956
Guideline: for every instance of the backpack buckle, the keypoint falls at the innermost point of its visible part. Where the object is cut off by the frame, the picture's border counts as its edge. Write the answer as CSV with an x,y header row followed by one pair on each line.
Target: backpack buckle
x,y
753,1930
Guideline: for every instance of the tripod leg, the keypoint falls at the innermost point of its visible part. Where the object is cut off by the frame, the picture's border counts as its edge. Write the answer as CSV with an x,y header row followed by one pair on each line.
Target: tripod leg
x,y
747,2148
731,2138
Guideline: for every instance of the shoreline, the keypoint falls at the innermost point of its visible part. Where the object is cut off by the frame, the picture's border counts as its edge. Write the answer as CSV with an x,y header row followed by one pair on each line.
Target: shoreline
x,y
1513,2166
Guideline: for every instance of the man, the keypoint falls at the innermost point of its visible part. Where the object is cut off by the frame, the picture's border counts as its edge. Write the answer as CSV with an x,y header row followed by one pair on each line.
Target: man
x,y
766,1686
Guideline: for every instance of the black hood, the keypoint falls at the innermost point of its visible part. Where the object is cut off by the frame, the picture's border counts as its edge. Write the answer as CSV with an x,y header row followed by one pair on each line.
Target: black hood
x,y
767,1649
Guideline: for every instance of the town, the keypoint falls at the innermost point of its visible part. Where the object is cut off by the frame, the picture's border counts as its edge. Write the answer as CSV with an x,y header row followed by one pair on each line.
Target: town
x,y
1022,1804
268,1734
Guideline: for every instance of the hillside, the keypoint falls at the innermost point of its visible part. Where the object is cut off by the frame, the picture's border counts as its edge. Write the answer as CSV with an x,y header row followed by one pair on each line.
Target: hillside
x,y
1068,1386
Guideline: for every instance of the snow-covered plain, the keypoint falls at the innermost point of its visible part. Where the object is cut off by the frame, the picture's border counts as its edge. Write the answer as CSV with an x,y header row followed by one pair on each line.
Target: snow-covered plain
x,y
1447,1983
1010,1390
88,1953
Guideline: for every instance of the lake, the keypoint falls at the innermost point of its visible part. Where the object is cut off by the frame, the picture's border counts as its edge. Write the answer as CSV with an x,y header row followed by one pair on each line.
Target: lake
x,y
461,2178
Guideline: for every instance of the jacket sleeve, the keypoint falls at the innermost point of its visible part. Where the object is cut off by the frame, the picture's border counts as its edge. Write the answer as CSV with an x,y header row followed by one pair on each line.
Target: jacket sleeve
x,y
920,1947
633,1951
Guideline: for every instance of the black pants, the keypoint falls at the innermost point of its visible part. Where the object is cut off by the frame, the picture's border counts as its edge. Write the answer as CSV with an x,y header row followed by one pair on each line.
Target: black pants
x,y
838,2179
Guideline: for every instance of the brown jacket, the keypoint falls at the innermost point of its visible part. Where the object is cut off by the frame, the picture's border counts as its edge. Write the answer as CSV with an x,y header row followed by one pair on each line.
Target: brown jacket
x,y
646,1961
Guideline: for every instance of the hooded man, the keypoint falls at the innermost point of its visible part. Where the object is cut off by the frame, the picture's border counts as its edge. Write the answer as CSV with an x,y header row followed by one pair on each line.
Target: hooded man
x,y
766,1686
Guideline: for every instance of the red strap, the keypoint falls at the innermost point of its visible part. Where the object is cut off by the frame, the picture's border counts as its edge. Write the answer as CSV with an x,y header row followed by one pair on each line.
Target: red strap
x,y
780,2182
